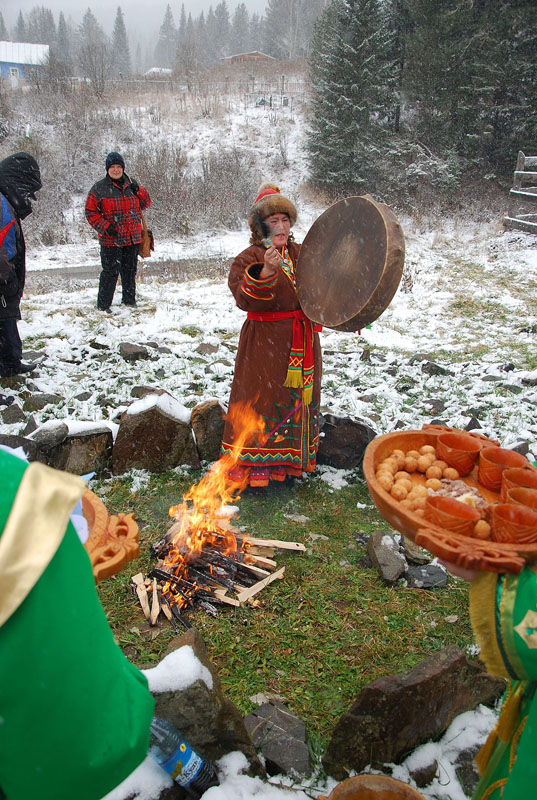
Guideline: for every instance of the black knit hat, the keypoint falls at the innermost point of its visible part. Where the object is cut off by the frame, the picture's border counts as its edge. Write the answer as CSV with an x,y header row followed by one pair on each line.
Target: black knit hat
x,y
114,158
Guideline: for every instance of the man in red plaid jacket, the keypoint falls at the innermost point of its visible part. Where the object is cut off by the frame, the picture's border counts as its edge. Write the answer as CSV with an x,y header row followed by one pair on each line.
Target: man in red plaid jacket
x,y
113,208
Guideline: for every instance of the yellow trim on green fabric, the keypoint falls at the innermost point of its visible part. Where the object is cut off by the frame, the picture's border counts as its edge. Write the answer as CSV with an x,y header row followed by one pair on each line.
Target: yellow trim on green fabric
x,y
507,622
33,531
482,617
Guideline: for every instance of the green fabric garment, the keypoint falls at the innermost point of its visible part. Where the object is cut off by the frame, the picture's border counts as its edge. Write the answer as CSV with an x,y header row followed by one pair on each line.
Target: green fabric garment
x,y
74,712
511,773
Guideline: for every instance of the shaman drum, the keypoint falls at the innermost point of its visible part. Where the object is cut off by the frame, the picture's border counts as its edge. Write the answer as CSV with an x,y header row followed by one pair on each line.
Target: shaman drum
x,y
350,264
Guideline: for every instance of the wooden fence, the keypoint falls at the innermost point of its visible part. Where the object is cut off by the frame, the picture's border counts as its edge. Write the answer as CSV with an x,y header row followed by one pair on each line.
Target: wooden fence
x,y
522,209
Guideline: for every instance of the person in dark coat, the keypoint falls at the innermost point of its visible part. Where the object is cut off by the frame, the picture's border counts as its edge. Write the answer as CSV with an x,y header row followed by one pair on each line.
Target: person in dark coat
x,y
114,209
20,179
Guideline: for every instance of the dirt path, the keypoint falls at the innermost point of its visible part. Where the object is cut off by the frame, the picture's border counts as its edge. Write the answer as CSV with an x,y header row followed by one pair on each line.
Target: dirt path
x,y
49,280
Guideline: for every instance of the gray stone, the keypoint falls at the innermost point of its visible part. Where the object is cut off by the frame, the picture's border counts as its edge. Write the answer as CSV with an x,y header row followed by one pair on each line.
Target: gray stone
x,y
46,438
491,378
513,388
132,352
142,391
343,441
281,737
31,449
432,368
436,406
206,718
84,452
429,576
418,357
415,553
386,556
37,402
208,425
394,715
206,349
521,447
83,396
30,427
473,424
12,414
423,776
153,440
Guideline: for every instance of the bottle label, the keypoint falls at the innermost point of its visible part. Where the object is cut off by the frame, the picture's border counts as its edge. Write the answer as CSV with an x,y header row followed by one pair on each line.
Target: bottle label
x,y
183,764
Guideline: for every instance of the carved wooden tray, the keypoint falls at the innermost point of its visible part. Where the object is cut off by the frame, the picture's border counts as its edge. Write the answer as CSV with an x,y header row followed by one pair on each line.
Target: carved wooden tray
x,y
113,540
462,550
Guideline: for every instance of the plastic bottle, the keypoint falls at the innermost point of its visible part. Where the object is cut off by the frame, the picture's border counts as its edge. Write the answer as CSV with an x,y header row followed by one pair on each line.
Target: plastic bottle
x,y
174,755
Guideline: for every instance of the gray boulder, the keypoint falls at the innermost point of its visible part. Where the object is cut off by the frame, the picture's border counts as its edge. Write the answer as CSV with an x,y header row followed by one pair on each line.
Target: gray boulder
x,y
153,439
208,425
343,441
393,715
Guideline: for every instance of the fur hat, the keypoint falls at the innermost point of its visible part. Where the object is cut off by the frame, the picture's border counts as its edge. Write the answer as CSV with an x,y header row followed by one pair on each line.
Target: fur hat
x,y
269,201
114,158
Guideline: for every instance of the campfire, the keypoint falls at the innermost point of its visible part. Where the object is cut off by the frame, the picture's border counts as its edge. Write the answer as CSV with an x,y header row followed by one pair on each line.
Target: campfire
x,y
204,560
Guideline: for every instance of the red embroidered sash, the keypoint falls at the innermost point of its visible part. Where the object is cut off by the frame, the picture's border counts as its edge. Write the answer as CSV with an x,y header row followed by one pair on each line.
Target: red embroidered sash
x,y
301,363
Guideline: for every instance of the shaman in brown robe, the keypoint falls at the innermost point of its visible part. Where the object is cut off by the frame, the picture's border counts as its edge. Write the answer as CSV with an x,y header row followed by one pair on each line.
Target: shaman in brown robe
x,y
263,362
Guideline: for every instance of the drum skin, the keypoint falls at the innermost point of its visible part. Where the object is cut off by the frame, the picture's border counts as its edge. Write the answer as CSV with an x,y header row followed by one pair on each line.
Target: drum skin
x,y
350,264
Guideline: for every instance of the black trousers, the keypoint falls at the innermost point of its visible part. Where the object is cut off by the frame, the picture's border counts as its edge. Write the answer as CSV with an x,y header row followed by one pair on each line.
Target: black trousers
x,y
10,347
118,261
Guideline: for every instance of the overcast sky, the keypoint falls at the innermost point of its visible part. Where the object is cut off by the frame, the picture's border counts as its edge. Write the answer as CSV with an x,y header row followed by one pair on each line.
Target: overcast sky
x,y
140,15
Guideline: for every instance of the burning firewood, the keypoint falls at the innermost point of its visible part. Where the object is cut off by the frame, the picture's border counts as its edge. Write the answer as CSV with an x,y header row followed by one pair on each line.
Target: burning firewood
x,y
204,560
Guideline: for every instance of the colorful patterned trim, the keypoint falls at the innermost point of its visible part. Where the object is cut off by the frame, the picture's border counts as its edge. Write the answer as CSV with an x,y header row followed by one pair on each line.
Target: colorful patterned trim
x,y
258,288
484,623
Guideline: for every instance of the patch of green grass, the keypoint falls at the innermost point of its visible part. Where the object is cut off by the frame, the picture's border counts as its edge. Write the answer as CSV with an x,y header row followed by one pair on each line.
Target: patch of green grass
x,y
191,330
319,635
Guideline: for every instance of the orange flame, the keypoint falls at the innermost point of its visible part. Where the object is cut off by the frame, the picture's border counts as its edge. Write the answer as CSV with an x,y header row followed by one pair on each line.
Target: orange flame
x,y
201,517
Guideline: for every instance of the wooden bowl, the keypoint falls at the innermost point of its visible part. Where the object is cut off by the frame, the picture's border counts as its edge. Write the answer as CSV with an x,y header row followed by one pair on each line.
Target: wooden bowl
x,y
459,450
372,787
514,523
518,476
493,461
451,514
521,495
466,551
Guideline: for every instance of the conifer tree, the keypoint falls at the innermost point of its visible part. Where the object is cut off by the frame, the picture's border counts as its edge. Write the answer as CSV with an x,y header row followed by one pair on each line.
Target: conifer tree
x,y
223,29
120,46
19,31
41,28
95,54
240,30
138,60
62,48
353,85
165,50
3,29
212,54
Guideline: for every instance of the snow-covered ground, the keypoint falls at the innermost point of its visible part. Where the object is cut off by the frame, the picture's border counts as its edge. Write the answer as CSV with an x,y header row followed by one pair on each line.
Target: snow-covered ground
x,y
467,299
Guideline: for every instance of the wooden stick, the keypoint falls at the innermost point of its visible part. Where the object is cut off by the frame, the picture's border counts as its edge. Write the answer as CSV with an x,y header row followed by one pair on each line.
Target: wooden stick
x,y
155,606
276,543
222,596
265,562
257,587
267,552
141,591
256,570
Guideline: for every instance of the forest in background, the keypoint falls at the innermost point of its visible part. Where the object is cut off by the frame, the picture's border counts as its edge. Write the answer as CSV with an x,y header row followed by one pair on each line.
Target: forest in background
x,y
409,100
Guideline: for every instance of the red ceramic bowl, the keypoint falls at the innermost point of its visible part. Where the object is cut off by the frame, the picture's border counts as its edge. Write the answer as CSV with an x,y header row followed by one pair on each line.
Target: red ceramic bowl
x,y
459,450
518,476
493,461
451,514
514,523
520,495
